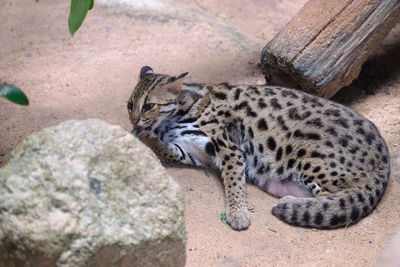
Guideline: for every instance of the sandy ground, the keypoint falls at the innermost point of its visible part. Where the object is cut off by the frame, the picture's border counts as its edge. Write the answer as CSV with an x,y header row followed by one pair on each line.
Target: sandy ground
x,y
92,75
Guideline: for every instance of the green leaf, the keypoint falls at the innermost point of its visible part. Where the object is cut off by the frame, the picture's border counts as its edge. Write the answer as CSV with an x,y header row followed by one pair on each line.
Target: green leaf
x,y
222,16
77,14
223,219
251,209
13,94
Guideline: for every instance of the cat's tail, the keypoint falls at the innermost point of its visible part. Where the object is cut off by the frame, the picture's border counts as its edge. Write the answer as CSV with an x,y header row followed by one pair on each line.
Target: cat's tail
x,y
334,210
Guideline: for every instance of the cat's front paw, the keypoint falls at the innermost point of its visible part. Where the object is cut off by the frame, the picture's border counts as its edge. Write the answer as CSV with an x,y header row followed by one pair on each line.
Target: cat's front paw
x,y
238,219
145,135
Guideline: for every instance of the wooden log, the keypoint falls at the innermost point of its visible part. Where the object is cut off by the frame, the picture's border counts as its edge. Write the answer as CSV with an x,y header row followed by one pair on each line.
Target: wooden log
x,y
324,46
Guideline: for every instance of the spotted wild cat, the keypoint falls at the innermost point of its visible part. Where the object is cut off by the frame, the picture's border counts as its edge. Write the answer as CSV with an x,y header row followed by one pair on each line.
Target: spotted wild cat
x,y
329,164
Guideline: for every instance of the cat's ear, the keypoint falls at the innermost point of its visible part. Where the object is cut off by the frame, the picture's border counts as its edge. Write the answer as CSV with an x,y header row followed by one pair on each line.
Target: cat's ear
x,y
174,85
145,71
169,91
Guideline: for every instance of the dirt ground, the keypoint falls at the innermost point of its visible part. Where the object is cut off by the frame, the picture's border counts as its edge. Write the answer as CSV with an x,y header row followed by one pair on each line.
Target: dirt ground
x,y
92,74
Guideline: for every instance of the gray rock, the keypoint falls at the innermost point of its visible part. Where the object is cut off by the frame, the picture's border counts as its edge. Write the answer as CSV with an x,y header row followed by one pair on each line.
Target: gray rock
x,y
85,193
135,4
390,256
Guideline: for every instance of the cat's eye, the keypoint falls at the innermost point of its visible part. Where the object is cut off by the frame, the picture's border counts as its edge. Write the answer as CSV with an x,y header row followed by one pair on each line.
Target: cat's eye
x,y
130,105
147,107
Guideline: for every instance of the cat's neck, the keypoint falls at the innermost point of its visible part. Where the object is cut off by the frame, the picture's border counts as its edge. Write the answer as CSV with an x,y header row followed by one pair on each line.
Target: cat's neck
x,y
195,88
192,99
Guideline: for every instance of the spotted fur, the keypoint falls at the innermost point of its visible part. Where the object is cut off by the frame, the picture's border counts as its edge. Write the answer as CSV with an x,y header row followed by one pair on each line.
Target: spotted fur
x,y
329,164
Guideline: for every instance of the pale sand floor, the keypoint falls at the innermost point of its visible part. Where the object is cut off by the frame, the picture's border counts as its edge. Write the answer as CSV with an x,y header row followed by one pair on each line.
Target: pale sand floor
x,y
92,75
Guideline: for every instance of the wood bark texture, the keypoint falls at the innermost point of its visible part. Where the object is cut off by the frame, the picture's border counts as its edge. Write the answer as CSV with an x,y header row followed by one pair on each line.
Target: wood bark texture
x,y
324,46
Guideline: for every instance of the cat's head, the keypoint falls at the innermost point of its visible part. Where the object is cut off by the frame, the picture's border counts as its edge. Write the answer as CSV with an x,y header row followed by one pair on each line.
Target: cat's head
x,y
153,99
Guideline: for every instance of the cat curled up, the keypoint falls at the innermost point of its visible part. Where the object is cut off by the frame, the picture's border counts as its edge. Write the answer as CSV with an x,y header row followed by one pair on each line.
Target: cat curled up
x,y
327,163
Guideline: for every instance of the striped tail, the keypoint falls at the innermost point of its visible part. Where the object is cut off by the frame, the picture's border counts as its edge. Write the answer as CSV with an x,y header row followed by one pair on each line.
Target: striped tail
x,y
335,210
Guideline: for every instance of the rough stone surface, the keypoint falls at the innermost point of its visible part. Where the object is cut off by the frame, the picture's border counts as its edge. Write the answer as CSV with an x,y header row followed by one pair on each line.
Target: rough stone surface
x,y
136,4
85,193
391,256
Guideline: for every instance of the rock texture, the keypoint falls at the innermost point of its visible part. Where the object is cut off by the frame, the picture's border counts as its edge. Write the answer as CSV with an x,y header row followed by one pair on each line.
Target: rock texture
x,y
85,193
390,256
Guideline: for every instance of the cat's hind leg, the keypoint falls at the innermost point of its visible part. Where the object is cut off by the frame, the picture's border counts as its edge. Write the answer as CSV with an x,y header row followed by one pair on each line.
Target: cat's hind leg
x,y
286,187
